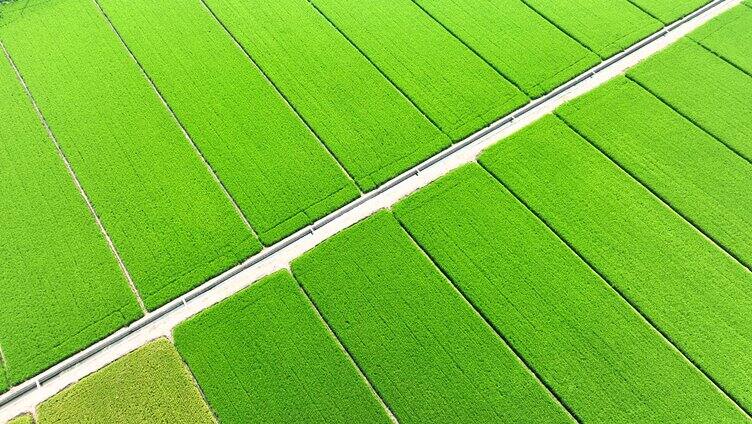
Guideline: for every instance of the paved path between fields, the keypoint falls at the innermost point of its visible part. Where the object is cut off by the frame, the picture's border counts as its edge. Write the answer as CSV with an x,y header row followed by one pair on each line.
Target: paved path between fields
x,y
26,396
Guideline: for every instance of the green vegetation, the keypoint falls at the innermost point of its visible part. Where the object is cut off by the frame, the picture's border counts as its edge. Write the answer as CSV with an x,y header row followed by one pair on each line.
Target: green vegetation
x,y
703,87
603,359
149,385
428,353
605,27
166,215
60,286
519,43
272,165
453,86
669,10
264,356
23,419
689,288
372,129
692,171
729,36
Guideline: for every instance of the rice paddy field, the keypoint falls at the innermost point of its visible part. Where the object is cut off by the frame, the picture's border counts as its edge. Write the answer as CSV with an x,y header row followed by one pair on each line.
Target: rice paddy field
x,y
594,266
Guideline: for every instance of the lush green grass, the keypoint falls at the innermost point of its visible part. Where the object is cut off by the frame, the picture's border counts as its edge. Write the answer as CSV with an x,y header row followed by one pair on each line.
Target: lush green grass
x,y
427,352
688,287
729,36
697,175
166,215
23,419
265,356
604,26
519,43
453,86
372,129
281,176
60,286
604,360
670,10
705,88
149,385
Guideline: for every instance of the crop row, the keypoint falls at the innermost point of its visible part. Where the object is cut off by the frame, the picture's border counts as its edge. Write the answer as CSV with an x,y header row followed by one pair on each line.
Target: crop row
x,y
201,131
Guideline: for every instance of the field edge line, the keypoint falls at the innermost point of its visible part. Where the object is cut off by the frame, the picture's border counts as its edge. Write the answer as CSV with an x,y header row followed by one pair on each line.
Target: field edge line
x,y
183,130
279,92
657,196
690,119
490,324
351,359
623,296
77,183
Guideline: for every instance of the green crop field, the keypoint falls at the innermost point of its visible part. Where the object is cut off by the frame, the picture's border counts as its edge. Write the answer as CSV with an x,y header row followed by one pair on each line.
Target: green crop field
x,y
730,37
149,385
168,218
688,168
669,10
370,126
688,287
523,46
281,176
412,334
604,29
703,87
60,285
593,267
264,356
23,419
455,88
606,362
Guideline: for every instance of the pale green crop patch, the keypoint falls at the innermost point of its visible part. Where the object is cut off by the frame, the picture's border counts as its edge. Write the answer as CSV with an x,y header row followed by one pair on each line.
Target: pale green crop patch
x,y
168,218
22,419
429,355
692,171
703,87
605,27
280,175
364,120
687,286
61,288
149,385
454,87
600,356
522,45
264,356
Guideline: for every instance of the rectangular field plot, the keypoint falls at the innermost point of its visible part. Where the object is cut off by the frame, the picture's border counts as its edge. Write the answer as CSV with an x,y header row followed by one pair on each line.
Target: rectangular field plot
x,y
149,385
168,218
280,175
599,355
669,10
428,353
372,129
264,356
692,171
453,86
604,26
61,288
515,40
694,292
703,87
730,37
